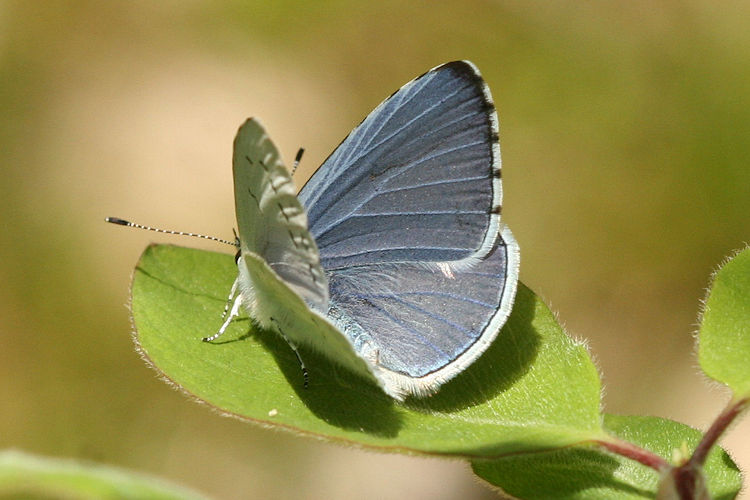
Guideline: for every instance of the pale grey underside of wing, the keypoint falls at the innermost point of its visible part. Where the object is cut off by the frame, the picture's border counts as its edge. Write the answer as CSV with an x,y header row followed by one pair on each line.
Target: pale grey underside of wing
x,y
417,180
271,221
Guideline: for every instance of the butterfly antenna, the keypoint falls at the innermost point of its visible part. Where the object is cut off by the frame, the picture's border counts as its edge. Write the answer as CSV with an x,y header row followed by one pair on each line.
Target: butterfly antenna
x,y
122,222
297,159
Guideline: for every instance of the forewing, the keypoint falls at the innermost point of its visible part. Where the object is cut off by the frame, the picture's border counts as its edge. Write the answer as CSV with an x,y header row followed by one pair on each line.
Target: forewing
x,y
271,221
417,180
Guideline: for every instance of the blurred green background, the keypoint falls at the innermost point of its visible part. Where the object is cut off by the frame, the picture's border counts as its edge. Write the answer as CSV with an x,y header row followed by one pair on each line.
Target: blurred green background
x,y
625,132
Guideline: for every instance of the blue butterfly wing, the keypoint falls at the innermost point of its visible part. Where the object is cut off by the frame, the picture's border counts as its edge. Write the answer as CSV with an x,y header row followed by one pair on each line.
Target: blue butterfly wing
x,y
421,320
417,180
406,215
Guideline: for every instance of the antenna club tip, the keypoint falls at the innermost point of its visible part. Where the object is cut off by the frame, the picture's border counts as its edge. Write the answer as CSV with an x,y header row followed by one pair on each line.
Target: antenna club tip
x,y
116,220
300,152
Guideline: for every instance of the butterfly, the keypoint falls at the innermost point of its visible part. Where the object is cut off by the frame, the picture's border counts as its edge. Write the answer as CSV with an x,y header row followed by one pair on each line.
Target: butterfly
x,y
392,260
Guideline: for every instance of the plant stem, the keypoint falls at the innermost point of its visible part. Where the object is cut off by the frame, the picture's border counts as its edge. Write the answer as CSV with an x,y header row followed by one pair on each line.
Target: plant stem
x,y
688,477
634,452
712,435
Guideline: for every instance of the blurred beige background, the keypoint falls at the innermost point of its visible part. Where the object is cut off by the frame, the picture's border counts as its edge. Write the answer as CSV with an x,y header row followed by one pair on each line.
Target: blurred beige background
x,y
625,133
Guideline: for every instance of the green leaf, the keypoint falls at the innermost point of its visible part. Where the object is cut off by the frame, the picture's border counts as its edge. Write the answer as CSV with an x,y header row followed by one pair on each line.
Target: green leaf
x,y
534,388
588,472
724,341
28,476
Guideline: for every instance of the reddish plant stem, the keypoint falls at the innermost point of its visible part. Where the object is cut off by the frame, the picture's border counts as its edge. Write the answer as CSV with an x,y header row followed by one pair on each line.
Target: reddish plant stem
x,y
688,482
688,477
641,455
712,435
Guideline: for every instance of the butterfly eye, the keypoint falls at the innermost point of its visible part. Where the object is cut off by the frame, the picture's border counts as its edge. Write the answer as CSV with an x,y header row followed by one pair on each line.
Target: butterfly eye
x,y
237,257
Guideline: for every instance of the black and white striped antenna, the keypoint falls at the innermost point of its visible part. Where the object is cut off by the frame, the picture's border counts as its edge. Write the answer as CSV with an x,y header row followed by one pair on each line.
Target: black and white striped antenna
x,y
297,159
123,222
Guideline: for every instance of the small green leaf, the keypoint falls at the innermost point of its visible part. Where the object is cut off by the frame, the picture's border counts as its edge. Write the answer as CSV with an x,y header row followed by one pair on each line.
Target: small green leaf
x,y
588,472
724,342
28,476
534,388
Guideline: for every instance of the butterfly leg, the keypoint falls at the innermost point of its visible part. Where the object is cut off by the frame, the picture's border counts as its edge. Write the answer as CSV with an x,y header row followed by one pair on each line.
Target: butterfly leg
x,y
302,366
229,299
233,313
